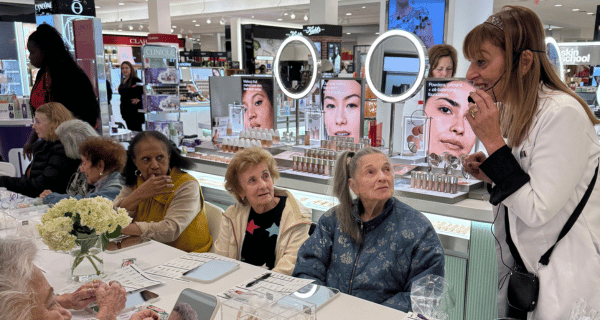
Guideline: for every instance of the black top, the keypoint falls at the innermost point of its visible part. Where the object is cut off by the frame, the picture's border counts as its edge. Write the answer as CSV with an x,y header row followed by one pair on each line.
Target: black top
x,y
504,170
129,111
77,94
261,236
50,169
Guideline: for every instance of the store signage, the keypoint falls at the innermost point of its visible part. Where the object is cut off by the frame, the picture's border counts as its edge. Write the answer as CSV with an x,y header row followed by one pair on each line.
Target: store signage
x,y
580,53
162,38
317,30
161,52
70,7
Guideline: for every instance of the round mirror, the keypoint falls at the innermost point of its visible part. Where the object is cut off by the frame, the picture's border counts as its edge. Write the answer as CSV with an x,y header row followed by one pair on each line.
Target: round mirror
x,y
553,53
296,66
395,65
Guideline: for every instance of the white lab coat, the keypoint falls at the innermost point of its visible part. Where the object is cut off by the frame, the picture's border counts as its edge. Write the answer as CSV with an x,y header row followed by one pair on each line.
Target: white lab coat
x,y
560,155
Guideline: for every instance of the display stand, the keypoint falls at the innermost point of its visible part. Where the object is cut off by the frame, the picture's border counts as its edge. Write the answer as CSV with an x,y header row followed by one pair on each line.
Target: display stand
x,y
161,90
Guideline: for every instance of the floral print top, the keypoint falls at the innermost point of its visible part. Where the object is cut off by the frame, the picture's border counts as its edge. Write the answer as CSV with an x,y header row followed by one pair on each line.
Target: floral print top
x,y
399,246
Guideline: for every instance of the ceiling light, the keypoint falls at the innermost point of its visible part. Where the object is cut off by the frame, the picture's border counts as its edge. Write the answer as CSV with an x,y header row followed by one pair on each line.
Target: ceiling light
x,y
285,13
349,13
130,27
549,29
376,32
171,30
575,9
279,19
293,16
222,21
364,7
208,21
305,17
174,27
97,7
194,21
558,5
141,27
590,13
252,17
121,4
120,29
197,25
348,33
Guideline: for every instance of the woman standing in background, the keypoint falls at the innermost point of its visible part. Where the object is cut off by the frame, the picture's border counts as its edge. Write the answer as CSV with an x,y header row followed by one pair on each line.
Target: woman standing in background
x,y
131,92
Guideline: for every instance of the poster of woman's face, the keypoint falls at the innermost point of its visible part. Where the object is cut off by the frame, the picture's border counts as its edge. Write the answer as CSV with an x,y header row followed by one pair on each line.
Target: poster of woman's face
x,y
334,55
446,103
342,106
257,98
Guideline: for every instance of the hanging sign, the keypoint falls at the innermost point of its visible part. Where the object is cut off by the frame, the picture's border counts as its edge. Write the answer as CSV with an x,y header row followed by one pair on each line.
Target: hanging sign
x,y
70,7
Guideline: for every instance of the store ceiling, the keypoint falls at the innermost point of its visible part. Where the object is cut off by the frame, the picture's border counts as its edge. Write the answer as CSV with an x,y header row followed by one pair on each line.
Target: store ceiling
x,y
190,17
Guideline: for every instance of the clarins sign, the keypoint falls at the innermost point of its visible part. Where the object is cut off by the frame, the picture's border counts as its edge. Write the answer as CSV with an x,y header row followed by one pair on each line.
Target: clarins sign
x,y
70,7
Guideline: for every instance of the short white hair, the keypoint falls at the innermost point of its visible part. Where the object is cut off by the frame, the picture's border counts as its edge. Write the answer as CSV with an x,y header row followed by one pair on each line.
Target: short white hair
x,y
16,271
72,134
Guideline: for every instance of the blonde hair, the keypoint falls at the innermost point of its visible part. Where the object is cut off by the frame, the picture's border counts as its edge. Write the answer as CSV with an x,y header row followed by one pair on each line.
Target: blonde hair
x,y
243,161
345,168
57,114
439,51
516,29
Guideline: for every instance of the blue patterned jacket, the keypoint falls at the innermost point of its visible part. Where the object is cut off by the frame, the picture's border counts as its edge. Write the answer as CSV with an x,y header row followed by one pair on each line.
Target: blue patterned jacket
x,y
399,247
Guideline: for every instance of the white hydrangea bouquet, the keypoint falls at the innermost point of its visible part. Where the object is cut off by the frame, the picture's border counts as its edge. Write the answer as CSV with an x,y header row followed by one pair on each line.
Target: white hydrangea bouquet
x,y
84,222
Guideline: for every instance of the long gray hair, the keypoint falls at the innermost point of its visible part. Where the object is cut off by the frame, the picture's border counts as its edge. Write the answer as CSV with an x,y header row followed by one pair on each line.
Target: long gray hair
x,y
345,168
16,271
72,134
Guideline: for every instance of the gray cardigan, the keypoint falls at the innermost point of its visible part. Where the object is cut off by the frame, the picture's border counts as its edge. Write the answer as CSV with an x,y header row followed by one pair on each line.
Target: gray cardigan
x,y
110,188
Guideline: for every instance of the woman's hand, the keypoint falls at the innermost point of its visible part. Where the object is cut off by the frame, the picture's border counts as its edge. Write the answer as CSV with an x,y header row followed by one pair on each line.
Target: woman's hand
x,y
155,185
79,299
484,119
472,163
135,101
145,315
45,193
110,299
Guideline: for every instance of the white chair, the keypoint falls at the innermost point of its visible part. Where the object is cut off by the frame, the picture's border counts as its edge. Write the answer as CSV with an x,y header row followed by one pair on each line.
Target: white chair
x,y
213,214
19,160
7,169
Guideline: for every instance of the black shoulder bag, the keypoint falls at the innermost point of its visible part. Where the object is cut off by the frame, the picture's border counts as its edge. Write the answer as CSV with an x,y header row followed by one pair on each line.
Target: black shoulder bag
x,y
523,287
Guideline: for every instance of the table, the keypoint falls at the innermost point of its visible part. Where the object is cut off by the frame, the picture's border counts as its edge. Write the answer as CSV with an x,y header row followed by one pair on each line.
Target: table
x,y
56,266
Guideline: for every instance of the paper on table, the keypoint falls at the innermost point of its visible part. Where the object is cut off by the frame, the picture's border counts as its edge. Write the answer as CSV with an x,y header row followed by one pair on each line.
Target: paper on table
x,y
130,277
175,268
276,282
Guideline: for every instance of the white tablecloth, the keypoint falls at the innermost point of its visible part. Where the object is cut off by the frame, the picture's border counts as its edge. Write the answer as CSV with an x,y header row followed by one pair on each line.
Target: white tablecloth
x,y
57,270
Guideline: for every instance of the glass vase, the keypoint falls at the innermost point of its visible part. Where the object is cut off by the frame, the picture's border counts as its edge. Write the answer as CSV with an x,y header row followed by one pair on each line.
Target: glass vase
x,y
87,261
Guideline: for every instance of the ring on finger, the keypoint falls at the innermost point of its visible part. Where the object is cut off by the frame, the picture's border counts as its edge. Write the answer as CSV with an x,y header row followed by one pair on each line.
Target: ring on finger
x,y
115,281
472,111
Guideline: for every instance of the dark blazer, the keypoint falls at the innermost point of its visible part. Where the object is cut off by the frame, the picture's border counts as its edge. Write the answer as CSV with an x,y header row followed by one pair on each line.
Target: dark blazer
x,y
50,169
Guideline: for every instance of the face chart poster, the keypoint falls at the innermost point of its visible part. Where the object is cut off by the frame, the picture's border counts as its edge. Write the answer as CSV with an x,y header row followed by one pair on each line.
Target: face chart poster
x,y
257,99
342,100
446,104
425,18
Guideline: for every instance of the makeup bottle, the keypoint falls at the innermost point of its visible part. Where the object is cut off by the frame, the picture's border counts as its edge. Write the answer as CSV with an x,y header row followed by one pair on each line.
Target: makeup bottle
x,y
276,137
295,163
435,182
306,138
413,176
326,167
302,165
229,129
430,181
447,183
418,180
241,144
269,140
440,184
454,186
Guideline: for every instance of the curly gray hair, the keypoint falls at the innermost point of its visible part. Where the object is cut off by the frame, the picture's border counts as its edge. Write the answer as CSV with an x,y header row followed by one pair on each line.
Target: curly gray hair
x,y
72,133
16,271
185,311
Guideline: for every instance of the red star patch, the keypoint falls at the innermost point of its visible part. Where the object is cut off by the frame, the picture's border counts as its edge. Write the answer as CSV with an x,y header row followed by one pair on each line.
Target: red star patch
x,y
251,227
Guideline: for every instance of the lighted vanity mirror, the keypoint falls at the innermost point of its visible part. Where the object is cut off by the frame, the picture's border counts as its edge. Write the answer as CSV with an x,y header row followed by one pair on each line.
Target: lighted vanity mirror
x,y
395,65
296,66
553,53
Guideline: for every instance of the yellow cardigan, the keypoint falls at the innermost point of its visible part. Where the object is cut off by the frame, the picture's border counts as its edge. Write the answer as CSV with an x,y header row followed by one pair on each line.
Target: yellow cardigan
x,y
195,238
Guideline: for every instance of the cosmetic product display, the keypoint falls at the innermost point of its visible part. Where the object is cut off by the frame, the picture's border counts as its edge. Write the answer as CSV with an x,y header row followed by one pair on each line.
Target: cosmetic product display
x,y
434,182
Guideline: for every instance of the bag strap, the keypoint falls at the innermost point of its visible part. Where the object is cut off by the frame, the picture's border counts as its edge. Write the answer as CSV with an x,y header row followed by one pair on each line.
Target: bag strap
x,y
545,259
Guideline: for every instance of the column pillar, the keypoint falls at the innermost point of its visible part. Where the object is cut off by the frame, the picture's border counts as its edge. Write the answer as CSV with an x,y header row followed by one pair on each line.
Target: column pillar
x,y
458,26
236,41
159,16
324,12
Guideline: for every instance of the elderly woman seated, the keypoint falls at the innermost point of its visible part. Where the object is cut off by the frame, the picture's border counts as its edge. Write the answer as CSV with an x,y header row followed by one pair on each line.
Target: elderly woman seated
x,y
102,159
25,294
266,226
50,167
166,204
373,247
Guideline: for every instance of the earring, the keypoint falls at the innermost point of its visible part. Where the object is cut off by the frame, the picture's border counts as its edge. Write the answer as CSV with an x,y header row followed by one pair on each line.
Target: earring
x,y
100,173
138,173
